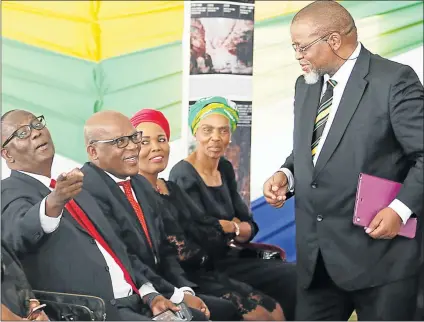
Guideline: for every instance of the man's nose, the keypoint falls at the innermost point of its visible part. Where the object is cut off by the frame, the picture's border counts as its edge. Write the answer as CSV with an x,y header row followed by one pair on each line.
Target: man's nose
x,y
298,54
132,146
35,133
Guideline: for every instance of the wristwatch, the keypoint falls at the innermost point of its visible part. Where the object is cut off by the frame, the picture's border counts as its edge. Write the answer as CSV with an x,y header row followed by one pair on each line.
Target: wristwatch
x,y
148,299
237,228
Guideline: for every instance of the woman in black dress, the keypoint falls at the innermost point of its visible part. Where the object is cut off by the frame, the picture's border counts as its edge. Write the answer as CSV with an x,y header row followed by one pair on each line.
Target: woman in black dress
x,y
199,240
208,178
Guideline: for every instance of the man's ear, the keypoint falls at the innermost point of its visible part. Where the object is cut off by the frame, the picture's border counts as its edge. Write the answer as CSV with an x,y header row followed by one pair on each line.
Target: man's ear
x,y
6,156
92,152
335,41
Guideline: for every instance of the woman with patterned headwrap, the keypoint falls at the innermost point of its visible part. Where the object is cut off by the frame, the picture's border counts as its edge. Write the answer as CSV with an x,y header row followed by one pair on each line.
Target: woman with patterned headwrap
x,y
210,181
197,238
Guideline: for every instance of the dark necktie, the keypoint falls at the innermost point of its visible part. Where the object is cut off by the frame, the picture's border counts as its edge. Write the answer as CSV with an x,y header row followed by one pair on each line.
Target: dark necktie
x,y
322,115
136,206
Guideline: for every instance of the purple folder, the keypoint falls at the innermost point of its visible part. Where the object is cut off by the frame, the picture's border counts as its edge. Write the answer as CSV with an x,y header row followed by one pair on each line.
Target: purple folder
x,y
374,194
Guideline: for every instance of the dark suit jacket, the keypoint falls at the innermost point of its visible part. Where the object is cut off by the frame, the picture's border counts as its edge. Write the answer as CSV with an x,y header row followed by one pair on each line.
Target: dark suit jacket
x,y
123,218
67,260
378,130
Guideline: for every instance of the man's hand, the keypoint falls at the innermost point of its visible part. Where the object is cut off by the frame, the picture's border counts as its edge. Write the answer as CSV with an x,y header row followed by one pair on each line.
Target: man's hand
x,y
275,189
68,186
161,304
385,225
38,315
196,303
227,226
236,220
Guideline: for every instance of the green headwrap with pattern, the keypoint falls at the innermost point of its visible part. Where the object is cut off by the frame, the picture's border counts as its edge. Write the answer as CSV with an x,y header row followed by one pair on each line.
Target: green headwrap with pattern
x,y
212,105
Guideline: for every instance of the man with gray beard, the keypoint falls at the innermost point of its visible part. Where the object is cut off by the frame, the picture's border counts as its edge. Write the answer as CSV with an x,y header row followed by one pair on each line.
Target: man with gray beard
x,y
355,112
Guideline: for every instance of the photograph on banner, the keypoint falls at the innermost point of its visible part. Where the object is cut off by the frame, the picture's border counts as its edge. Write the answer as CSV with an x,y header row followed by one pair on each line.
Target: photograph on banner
x,y
221,38
238,151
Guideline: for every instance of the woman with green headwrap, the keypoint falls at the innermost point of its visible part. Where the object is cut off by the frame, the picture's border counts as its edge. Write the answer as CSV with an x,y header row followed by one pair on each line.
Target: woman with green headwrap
x,y
210,181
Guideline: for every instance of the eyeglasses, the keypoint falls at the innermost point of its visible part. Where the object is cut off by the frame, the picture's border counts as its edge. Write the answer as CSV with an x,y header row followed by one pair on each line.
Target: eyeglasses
x,y
122,141
24,131
304,48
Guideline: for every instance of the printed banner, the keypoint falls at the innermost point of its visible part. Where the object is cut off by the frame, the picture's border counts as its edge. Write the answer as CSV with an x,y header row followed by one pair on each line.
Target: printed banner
x,y
218,47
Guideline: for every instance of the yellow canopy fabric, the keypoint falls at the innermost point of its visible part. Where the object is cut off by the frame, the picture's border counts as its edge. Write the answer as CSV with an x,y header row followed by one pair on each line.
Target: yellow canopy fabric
x,y
96,30
93,30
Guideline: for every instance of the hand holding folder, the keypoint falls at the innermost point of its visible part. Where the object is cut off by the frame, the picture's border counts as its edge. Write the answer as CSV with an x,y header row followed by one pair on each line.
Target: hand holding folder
x,y
373,195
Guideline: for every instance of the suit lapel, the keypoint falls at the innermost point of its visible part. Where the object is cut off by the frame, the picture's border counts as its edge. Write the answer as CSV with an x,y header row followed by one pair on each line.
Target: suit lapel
x,y
308,104
348,104
137,185
40,187
123,202
44,192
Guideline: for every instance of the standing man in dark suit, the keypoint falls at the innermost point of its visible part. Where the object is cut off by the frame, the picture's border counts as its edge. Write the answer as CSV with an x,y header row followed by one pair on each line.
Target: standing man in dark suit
x,y
354,112
57,252
113,146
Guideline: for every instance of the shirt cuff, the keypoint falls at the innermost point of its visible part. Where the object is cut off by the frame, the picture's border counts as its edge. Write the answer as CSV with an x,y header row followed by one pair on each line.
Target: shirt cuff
x,y
146,289
290,178
177,297
187,290
48,224
401,209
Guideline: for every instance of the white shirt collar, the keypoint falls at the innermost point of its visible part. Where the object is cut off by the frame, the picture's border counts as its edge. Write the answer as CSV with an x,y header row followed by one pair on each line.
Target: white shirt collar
x,y
343,74
117,180
44,180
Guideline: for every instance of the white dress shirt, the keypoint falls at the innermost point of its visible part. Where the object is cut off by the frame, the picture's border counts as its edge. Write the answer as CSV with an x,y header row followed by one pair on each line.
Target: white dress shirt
x,y
178,295
342,77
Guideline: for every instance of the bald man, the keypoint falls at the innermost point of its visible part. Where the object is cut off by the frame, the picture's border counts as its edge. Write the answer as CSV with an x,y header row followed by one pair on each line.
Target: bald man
x,y
354,112
113,146
58,250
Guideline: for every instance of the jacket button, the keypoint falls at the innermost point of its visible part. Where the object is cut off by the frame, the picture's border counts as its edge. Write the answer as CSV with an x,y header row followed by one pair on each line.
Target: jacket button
x,y
113,302
314,185
319,218
107,268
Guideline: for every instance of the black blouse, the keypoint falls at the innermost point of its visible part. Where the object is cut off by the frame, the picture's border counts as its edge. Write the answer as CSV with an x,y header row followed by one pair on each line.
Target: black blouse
x,y
197,238
221,202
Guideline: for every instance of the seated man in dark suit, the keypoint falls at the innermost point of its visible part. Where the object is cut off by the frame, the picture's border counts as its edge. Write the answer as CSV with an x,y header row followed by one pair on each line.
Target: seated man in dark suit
x,y
113,146
61,236
17,298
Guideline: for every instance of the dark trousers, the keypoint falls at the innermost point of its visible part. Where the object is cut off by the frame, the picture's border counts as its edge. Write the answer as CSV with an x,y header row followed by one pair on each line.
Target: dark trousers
x,y
324,301
131,308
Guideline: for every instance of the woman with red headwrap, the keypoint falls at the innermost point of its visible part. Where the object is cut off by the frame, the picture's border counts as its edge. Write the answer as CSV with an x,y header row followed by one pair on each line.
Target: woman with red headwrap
x,y
197,238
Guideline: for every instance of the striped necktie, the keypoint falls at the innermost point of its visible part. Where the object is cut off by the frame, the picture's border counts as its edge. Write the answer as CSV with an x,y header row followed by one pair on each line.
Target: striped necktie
x,y
322,115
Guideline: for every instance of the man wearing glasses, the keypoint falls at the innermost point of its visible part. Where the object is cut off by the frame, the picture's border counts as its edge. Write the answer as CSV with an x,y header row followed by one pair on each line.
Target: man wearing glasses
x,y
111,177
354,112
60,234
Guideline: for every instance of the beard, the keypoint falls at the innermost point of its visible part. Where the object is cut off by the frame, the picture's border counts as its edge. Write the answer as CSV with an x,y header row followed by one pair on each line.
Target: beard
x,y
313,76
